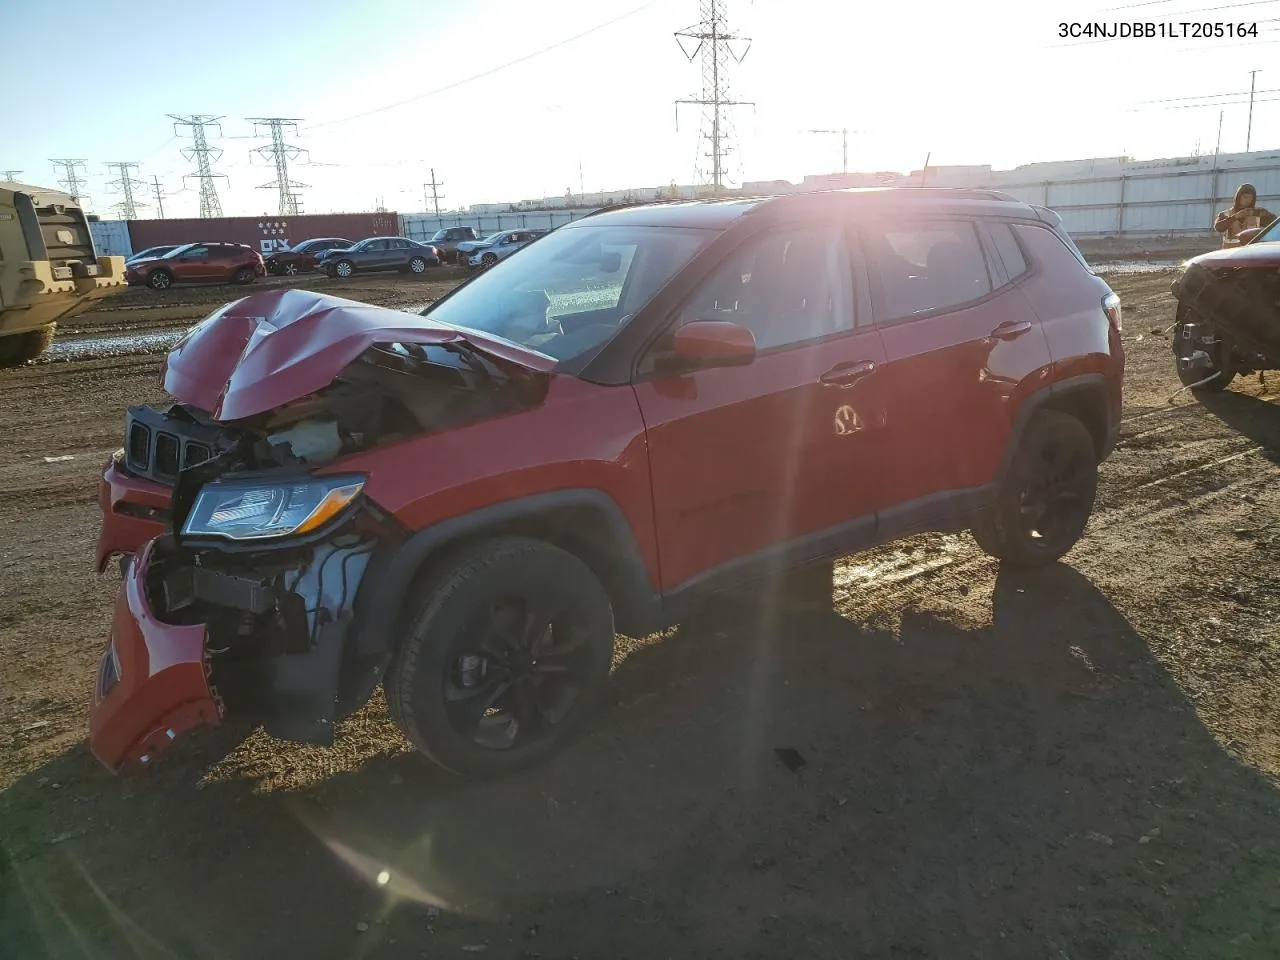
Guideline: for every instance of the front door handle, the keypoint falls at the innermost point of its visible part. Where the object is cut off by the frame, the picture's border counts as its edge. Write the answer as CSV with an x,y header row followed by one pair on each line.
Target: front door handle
x,y
848,373
1011,329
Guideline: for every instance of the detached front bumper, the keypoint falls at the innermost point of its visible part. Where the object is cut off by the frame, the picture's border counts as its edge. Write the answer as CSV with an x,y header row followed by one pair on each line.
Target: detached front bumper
x,y
153,679
133,511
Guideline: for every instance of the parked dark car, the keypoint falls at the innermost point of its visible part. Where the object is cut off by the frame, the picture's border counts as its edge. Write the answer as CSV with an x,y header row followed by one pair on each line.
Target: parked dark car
x,y
198,263
446,241
1225,323
301,257
646,406
379,253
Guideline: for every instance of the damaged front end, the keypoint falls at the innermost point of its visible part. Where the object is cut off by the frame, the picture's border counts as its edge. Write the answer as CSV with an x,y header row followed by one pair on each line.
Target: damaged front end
x,y
1228,317
250,604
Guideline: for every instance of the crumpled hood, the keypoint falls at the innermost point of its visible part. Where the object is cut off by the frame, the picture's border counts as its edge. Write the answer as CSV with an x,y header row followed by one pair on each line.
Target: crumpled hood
x,y
275,347
1265,254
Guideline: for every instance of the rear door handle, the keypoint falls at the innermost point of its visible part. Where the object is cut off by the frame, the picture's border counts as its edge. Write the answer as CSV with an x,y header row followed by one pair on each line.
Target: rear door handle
x,y
848,373
1011,329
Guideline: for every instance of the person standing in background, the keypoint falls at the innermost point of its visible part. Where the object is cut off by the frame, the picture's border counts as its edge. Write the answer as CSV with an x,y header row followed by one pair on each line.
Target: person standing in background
x,y
1245,214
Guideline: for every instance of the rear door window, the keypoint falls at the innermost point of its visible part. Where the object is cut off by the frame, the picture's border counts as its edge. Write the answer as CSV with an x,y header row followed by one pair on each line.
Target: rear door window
x,y
925,267
1015,261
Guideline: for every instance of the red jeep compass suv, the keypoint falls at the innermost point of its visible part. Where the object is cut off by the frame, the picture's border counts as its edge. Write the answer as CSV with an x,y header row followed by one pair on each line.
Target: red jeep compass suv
x,y
647,404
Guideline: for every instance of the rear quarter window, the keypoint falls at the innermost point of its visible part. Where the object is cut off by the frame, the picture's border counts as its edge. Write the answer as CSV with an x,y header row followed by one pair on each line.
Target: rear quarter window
x,y
1007,246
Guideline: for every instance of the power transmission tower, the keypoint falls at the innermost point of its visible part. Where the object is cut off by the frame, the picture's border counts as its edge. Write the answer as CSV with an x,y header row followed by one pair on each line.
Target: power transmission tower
x,y
128,207
844,145
205,157
159,197
71,179
280,154
10,174
435,194
715,45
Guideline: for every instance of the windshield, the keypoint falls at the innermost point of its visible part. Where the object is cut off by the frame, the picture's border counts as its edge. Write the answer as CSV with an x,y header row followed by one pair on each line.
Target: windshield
x,y
1269,235
439,235
570,292
177,250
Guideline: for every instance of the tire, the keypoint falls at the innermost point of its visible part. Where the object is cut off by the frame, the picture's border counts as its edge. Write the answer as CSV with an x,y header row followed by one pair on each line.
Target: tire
x,y
289,269
242,275
491,588
19,348
343,269
488,260
1188,377
1029,525
418,265
160,280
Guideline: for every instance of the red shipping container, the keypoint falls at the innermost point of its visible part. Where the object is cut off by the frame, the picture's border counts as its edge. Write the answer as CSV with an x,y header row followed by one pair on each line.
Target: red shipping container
x,y
264,234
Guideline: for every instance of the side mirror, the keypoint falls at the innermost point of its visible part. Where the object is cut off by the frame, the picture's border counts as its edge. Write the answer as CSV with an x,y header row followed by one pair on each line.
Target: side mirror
x,y
711,343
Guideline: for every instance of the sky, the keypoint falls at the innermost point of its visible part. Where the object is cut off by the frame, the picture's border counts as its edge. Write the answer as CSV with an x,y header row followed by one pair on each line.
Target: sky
x,y
983,82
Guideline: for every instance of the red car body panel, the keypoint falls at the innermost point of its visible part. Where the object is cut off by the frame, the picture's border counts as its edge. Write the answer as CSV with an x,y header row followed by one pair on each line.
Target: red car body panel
x,y
525,454
275,347
162,688
134,510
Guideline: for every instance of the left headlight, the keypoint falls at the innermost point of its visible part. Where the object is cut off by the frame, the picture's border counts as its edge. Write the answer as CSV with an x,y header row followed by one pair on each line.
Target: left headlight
x,y
252,510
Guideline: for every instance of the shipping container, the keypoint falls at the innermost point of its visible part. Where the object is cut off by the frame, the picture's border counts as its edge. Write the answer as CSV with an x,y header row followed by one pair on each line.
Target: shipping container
x,y
111,238
264,234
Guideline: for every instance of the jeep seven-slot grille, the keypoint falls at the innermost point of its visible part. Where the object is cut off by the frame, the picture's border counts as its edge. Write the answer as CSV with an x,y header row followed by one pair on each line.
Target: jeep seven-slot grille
x,y
158,453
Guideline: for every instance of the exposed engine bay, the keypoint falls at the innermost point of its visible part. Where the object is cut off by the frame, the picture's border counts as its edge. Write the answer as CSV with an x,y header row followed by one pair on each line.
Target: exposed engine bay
x,y
1228,323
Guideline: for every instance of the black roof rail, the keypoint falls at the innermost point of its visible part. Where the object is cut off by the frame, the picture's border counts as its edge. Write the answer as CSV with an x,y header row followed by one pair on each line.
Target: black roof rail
x,y
628,204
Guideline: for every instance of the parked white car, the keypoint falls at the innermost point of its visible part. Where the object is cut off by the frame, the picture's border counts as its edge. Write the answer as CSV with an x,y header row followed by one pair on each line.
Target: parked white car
x,y
502,245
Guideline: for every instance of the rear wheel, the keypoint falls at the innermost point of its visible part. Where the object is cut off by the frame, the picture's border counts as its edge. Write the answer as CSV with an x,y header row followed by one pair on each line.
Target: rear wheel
x,y
1046,498
508,654
160,280
21,347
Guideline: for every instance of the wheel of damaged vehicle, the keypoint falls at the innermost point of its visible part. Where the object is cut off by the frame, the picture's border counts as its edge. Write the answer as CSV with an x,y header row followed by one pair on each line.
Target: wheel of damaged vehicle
x,y
507,655
1047,495
243,275
488,260
160,280
344,268
1190,375
417,265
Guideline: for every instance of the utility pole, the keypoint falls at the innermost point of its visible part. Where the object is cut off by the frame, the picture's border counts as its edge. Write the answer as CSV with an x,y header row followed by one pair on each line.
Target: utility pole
x,y
1218,145
1248,137
205,157
128,207
280,154
435,195
71,179
715,45
844,145
159,197
10,174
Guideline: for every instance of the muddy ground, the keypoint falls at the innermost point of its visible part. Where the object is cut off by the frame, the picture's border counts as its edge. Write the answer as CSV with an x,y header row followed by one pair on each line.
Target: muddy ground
x,y
1073,764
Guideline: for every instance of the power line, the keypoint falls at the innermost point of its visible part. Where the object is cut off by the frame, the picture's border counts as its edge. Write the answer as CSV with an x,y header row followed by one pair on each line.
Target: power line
x,y
280,153
1203,96
71,178
10,174
128,207
205,157
486,73
714,45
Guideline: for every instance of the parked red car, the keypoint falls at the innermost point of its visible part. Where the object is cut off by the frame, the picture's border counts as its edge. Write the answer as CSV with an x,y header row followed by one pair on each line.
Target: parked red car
x,y
301,258
647,404
198,263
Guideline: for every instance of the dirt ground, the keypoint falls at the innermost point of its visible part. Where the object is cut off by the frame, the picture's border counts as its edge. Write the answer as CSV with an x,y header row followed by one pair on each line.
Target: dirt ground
x,y
1073,764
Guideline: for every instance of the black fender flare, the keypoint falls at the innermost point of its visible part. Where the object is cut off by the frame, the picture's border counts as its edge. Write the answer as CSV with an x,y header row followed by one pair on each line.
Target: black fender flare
x,y
1092,384
392,570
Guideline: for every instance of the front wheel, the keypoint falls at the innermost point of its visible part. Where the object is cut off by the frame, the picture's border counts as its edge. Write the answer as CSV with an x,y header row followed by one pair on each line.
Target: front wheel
x,y
290,269
242,275
19,348
1047,496
1198,375
417,265
160,280
343,269
488,260
508,654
